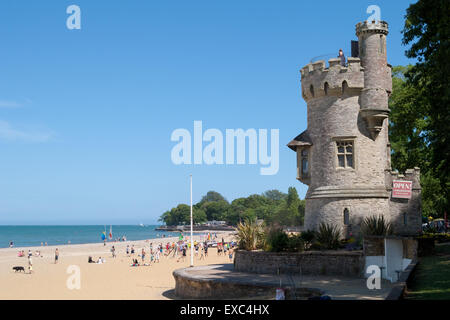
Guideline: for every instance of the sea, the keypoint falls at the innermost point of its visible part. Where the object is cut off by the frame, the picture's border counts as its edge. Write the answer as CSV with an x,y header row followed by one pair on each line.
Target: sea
x,y
30,236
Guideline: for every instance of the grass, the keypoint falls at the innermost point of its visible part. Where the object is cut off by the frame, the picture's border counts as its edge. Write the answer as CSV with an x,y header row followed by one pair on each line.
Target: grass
x,y
432,277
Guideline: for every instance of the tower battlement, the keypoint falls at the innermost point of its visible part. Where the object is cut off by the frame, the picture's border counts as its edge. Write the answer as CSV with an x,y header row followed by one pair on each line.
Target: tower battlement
x,y
319,80
409,175
380,27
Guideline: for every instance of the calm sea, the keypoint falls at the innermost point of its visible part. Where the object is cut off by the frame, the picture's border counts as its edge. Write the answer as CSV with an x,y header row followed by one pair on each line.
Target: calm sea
x,y
28,236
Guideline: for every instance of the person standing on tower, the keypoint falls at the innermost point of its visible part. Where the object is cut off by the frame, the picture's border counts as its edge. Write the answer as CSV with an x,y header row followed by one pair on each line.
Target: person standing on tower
x,y
342,57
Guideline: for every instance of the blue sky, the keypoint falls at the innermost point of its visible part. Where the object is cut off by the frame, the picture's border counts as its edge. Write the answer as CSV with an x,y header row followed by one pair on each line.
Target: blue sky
x,y
86,115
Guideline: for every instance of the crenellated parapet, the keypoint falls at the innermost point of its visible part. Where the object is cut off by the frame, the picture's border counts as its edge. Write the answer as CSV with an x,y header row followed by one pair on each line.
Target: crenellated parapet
x,y
409,175
334,80
380,27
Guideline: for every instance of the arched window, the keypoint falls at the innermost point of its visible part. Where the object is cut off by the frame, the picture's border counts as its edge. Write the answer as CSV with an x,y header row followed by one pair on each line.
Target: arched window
x,y
311,89
325,87
346,217
344,86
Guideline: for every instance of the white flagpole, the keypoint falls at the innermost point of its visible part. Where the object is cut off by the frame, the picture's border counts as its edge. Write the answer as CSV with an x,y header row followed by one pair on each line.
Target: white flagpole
x,y
192,240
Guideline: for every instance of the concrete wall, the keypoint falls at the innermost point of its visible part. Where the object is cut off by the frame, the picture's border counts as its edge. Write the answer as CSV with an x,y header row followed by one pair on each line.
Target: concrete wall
x,y
344,263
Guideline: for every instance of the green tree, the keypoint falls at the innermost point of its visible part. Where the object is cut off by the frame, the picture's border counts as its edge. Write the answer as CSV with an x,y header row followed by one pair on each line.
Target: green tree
x,y
215,210
427,31
290,212
212,196
408,134
275,195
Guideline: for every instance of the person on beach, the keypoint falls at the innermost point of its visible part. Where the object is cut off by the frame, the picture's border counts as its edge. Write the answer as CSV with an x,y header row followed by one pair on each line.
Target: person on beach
x,y
29,253
128,250
113,250
157,256
132,249
30,265
56,255
206,249
183,254
230,255
143,255
11,244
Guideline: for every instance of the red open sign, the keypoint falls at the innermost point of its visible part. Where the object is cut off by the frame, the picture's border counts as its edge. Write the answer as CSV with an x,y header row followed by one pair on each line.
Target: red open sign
x,y
401,189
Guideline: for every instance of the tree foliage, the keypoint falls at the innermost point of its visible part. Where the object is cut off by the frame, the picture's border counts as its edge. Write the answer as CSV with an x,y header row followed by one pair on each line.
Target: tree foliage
x,y
273,206
425,98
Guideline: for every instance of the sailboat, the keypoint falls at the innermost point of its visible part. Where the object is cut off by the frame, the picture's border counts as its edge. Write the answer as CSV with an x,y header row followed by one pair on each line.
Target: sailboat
x,y
110,232
141,224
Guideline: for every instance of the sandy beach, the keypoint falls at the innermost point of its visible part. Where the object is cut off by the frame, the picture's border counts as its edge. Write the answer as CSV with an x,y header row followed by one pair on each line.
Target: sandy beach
x,y
115,279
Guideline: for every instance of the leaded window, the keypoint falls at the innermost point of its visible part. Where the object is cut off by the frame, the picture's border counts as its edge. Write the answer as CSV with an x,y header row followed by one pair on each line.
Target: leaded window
x,y
345,154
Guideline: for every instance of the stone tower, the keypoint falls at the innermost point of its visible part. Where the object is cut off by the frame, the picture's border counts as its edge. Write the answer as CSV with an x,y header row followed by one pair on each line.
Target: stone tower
x,y
344,154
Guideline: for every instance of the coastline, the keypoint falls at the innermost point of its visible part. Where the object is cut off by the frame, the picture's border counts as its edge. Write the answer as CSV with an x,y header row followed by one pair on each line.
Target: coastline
x,y
115,279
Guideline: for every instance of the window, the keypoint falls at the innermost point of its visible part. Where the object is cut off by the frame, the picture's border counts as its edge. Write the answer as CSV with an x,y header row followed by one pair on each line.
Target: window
x,y
311,89
304,159
344,87
325,87
381,44
345,154
302,163
346,217
405,218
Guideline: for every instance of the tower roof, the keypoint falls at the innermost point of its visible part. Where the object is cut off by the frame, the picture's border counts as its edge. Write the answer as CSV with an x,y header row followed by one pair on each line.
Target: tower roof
x,y
302,139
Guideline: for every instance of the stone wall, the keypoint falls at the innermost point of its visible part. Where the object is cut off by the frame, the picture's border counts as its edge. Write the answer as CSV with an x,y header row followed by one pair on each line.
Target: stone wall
x,y
374,246
406,214
343,263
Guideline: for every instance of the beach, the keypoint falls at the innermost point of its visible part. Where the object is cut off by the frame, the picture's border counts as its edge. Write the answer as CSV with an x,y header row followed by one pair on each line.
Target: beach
x,y
115,279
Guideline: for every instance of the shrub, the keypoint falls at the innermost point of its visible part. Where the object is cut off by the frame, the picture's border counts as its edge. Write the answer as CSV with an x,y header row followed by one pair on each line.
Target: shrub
x,y
328,236
295,243
308,236
276,239
250,235
376,226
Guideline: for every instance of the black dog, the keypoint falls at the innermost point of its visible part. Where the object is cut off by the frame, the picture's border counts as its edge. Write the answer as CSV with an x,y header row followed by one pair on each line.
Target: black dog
x,y
18,268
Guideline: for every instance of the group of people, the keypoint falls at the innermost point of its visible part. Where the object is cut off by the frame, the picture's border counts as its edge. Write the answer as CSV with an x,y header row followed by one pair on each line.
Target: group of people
x,y
178,250
100,260
154,254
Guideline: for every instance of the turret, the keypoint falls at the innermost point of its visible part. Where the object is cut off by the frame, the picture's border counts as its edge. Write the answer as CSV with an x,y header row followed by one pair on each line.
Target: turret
x,y
377,74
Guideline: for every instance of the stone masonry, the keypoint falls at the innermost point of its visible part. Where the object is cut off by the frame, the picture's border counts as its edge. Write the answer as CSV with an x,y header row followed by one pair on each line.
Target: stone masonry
x,y
344,154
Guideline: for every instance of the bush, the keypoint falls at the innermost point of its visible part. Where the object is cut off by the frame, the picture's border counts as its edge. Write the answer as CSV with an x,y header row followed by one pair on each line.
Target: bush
x,y
295,243
376,226
250,235
328,237
276,240
308,236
